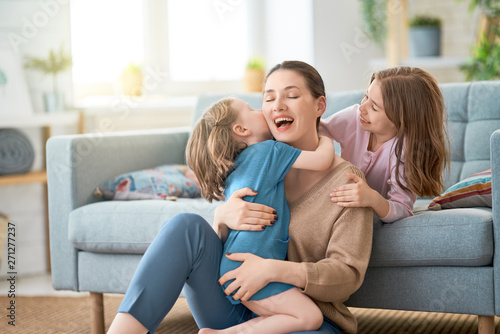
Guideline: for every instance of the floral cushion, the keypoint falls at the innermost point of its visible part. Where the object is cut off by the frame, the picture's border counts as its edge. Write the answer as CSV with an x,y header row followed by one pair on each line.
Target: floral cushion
x,y
162,182
470,192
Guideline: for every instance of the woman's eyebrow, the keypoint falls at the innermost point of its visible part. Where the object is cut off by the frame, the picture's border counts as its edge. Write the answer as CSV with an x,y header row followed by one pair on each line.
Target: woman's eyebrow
x,y
291,87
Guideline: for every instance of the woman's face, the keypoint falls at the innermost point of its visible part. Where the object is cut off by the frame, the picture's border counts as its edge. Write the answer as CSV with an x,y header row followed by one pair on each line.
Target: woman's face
x,y
290,109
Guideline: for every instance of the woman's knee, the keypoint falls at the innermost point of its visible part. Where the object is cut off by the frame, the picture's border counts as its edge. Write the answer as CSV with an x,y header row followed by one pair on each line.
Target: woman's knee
x,y
186,225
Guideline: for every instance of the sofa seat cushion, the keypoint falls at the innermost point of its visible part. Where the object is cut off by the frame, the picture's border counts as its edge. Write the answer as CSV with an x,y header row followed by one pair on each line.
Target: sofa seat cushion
x,y
128,226
453,237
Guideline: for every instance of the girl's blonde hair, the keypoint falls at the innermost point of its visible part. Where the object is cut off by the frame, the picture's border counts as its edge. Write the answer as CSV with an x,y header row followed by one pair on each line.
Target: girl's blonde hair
x,y
212,148
414,103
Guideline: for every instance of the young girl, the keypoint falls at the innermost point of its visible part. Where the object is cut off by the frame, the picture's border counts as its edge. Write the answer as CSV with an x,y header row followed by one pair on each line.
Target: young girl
x,y
230,148
397,138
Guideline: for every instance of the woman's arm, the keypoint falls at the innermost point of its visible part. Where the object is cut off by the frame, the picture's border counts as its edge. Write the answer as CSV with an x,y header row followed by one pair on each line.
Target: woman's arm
x,y
320,159
238,214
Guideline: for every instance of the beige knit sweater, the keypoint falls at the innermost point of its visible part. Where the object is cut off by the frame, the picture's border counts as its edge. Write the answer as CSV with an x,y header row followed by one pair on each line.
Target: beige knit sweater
x,y
334,245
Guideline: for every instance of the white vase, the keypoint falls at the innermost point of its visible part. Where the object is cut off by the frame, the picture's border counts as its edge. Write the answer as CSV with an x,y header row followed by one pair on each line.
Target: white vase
x,y
53,102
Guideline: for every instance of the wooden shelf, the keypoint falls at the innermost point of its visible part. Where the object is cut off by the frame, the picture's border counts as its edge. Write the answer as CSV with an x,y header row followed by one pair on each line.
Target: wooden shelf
x,y
31,177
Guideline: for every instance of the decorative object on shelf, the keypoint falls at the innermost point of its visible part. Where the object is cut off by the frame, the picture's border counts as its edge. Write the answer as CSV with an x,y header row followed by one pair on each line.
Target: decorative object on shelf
x,y
374,19
131,80
55,63
16,152
14,97
254,75
425,36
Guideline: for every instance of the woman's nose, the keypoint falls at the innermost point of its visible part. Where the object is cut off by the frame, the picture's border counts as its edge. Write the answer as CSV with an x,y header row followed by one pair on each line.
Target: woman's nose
x,y
278,105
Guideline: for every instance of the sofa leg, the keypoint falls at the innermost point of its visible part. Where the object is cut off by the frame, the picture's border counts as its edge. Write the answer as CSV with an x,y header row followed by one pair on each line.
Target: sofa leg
x,y
485,324
97,310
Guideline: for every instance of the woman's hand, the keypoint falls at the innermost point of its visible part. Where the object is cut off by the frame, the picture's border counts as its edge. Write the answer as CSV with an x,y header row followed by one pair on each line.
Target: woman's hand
x,y
359,194
238,214
250,277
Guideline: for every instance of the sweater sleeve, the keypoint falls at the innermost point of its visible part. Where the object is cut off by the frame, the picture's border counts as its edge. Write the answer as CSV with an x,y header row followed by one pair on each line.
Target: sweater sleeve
x,y
400,201
341,272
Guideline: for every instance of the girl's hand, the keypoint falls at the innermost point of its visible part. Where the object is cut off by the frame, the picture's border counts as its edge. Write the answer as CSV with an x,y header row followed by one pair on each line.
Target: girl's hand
x,y
357,194
238,214
250,277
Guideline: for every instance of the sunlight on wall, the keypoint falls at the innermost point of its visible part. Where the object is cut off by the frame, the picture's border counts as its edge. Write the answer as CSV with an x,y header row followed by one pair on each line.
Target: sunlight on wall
x,y
106,37
207,40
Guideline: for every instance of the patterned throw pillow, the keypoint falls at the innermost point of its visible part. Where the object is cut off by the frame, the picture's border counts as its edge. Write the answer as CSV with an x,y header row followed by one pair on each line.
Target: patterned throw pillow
x,y
473,191
162,182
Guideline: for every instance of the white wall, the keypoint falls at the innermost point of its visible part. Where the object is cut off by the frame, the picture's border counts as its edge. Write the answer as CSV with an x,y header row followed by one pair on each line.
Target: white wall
x,y
32,28
342,52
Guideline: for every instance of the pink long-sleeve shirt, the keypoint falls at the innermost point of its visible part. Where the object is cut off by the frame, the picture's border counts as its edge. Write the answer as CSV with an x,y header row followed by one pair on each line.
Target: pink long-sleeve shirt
x,y
379,167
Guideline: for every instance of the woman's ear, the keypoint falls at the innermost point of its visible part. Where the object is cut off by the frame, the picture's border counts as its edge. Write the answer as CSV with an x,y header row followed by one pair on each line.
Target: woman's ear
x,y
240,130
321,106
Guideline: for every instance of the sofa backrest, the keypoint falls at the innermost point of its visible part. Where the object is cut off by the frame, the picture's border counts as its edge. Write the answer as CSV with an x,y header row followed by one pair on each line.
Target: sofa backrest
x,y
473,111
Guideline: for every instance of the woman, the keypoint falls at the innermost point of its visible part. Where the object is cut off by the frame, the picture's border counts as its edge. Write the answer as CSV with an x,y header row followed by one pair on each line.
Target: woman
x,y
329,246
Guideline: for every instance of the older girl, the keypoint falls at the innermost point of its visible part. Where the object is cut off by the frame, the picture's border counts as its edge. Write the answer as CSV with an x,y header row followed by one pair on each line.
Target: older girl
x,y
397,138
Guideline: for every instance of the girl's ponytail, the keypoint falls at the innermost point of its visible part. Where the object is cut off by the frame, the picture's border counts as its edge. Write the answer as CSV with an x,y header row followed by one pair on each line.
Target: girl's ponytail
x,y
212,149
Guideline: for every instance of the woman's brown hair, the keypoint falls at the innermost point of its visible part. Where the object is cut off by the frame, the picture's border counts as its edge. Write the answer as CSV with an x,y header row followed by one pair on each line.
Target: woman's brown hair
x,y
212,148
414,103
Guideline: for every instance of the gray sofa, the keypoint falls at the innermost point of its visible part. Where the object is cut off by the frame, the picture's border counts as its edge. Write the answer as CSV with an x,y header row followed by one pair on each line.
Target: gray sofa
x,y
441,261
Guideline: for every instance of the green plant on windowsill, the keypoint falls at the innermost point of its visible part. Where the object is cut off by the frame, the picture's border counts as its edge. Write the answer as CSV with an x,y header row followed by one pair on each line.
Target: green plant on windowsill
x,y
485,62
256,63
254,75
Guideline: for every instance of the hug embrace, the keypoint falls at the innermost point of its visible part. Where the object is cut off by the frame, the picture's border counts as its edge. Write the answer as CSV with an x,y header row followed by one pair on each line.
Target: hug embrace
x,y
293,239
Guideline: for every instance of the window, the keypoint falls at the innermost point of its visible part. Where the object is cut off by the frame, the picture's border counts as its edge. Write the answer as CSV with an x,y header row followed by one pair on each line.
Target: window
x,y
207,40
106,37
194,46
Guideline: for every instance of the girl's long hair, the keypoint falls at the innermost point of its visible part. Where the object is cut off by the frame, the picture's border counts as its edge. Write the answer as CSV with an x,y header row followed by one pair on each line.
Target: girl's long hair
x,y
414,103
212,148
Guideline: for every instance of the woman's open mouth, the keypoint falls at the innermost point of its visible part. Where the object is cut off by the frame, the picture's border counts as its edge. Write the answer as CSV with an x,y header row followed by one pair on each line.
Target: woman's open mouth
x,y
283,123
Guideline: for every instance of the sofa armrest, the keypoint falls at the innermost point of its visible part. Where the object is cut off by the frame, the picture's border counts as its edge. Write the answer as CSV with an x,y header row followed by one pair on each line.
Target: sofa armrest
x,y
77,164
495,192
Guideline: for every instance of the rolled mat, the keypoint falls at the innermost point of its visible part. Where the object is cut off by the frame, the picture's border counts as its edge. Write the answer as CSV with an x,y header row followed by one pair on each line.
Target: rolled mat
x,y
16,152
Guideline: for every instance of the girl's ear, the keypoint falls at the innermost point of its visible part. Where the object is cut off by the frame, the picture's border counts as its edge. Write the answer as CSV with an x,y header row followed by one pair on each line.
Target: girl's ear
x,y
321,106
240,130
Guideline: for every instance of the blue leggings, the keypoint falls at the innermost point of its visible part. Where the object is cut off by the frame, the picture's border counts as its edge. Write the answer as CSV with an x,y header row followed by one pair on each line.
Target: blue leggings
x,y
185,253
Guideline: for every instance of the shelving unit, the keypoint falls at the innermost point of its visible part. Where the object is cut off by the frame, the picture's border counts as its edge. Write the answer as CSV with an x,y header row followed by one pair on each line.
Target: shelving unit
x,y
46,122
397,44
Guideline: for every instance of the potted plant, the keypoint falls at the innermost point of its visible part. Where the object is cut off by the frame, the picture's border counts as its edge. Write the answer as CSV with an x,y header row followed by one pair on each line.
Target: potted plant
x,y
374,20
55,63
425,36
131,80
254,75
485,61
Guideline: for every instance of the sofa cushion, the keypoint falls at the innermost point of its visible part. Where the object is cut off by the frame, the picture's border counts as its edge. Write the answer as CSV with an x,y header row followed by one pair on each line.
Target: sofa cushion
x,y
471,192
160,182
128,226
455,237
